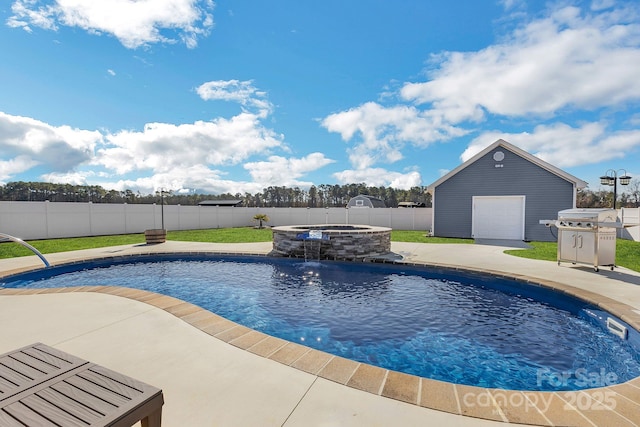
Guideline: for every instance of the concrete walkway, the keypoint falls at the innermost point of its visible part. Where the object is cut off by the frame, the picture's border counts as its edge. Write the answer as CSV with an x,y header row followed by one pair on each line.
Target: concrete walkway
x,y
207,382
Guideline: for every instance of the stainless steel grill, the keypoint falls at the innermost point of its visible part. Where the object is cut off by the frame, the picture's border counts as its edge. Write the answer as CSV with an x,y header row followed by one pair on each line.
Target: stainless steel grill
x,y
587,236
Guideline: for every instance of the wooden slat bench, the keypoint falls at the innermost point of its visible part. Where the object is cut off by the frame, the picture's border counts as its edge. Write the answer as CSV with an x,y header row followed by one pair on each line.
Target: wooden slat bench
x,y
42,386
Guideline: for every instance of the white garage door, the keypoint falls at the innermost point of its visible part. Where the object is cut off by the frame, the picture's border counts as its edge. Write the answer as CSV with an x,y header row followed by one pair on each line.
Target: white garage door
x,y
498,217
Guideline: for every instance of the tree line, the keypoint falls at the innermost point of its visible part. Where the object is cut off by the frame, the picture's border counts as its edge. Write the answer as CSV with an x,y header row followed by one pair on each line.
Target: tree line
x,y
324,195
604,198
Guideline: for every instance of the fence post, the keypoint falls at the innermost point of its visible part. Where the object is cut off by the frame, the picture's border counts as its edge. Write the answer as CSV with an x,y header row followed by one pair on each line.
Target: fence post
x,y
46,218
414,218
91,218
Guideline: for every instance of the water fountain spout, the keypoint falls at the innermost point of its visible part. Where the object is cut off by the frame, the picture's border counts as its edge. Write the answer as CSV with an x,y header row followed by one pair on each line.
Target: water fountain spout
x,y
312,242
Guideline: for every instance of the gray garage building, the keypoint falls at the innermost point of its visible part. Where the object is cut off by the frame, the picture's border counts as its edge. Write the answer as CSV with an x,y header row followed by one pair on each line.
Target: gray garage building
x,y
501,193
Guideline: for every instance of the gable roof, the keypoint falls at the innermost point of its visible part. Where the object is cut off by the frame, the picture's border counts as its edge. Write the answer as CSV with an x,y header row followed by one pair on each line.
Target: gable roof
x,y
518,151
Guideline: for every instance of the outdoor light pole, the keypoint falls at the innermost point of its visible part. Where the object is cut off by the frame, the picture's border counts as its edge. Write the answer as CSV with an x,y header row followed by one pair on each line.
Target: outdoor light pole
x,y
162,192
611,178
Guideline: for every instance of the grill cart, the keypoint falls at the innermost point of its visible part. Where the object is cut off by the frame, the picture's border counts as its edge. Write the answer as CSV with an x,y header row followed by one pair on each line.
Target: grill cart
x,y
587,236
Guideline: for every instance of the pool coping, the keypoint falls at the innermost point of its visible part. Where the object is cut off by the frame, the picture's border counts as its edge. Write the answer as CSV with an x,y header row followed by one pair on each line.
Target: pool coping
x,y
617,404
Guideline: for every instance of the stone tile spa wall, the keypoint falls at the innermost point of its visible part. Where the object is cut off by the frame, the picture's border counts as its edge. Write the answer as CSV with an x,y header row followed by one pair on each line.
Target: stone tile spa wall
x,y
338,241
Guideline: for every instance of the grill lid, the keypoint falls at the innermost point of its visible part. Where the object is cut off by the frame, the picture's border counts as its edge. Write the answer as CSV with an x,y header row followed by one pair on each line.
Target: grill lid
x,y
588,215
594,219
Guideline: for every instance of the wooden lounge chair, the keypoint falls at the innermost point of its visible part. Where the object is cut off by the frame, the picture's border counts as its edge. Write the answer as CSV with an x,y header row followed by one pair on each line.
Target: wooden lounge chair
x,y
42,386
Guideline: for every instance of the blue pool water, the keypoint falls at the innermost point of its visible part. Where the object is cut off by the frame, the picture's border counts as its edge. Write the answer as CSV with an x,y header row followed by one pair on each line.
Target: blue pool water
x,y
451,326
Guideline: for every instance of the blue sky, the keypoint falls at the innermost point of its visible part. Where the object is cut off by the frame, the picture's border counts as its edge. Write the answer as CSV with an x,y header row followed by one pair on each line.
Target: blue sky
x,y
235,96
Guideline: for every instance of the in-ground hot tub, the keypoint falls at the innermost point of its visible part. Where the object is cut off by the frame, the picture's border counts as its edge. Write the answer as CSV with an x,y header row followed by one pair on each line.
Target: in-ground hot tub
x,y
332,241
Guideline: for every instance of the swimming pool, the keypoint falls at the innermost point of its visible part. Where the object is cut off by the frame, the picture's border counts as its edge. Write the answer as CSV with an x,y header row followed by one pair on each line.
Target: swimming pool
x,y
452,326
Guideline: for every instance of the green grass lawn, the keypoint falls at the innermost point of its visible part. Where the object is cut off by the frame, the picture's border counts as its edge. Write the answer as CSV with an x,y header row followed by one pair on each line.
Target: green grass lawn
x,y
216,235
412,236
11,249
223,235
627,251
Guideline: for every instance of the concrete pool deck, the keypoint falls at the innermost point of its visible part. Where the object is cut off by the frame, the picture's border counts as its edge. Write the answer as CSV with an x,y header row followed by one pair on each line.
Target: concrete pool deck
x,y
206,381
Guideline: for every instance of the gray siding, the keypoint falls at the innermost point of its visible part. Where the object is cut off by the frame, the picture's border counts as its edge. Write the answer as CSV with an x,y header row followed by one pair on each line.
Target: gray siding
x,y
545,193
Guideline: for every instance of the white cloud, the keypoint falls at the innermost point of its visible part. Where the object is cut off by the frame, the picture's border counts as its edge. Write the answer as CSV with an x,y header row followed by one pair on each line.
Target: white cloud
x,y
563,145
512,4
602,4
133,23
385,130
17,165
74,178
193,178
163,147
111,72
242,92
282,171
634,120
404,181
567,63
26,142
182,157
567,60
201,178
380,177
23,16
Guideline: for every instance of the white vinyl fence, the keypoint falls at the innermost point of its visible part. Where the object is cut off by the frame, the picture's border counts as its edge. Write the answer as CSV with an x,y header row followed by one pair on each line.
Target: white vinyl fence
x,y
46,220
631,218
